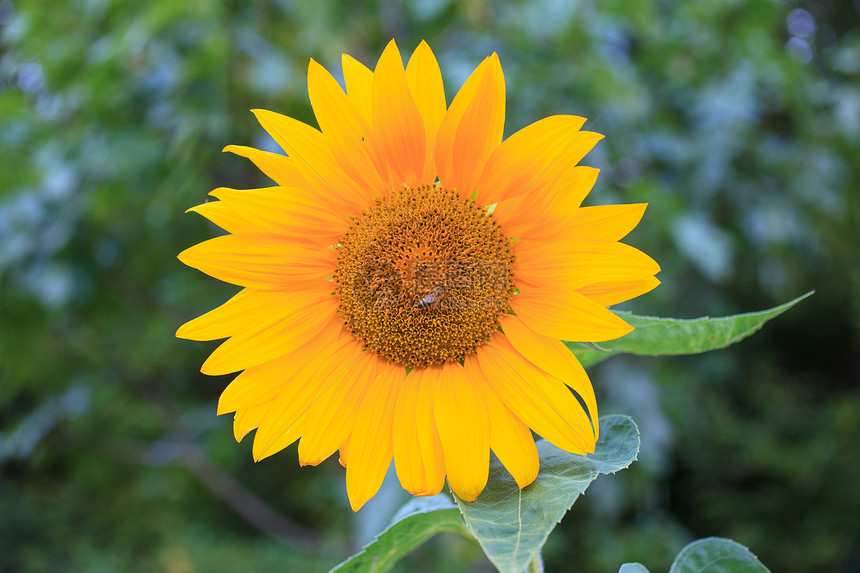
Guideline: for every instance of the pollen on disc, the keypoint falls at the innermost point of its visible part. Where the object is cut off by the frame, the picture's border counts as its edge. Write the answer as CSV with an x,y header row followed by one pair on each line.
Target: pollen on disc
x,y
423,276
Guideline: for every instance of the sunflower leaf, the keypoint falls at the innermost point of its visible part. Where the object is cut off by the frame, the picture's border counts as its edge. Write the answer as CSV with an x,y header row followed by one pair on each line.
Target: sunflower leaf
x,y
633,568
716,555
512,525
655,336
709,555
417,521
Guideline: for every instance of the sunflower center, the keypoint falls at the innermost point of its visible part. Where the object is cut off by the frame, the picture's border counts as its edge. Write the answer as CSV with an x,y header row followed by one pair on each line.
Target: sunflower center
x,y
423,276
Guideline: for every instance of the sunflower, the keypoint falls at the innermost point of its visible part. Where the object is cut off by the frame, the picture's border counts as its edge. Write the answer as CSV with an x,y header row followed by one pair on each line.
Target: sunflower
x,y
408,281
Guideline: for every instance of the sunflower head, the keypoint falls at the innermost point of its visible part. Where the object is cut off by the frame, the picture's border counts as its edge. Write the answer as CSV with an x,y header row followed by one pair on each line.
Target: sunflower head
x,y
407,281
422,276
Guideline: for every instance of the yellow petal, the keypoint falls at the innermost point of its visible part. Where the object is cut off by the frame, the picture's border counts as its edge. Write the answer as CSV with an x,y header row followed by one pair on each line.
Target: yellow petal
x,y
292,212
545,212
417,451
264,262
398,128
279,168
308,147
298,393
425,83
540,401
254,346
607,222
331,416
345,130
607,294
521,159
370,442
359,83
572,264
343,452
265,382
225,217
560,188
284,438
432,455
247,307
553,357
510,438
406,449
249,418
561,217
464,428
472,128
248,390
567,315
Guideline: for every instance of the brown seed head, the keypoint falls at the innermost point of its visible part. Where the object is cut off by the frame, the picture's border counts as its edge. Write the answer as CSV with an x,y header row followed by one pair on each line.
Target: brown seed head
x,y
423,276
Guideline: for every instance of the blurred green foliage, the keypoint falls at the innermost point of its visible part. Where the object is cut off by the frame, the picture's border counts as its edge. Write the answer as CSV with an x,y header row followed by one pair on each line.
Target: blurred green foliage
x,y
738,121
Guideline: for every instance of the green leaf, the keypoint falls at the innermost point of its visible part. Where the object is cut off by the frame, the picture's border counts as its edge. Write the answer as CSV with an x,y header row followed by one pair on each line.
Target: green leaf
x,y
633,568
655,336
716,555
419,520
512,525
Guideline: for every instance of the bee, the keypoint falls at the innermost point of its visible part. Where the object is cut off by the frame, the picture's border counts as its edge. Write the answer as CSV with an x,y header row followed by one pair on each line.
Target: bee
x,y
431,299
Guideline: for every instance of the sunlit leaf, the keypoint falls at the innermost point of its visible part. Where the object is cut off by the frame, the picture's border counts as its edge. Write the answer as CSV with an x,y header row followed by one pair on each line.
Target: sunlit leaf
x,y
709,555
512,525
716,555
655,336
415,523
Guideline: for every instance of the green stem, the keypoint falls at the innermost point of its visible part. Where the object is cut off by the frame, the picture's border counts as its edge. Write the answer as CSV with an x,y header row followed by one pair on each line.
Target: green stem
x,y
536,564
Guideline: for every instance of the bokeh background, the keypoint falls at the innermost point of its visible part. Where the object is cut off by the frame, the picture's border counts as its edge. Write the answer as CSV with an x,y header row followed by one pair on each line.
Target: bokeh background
x,y
738,121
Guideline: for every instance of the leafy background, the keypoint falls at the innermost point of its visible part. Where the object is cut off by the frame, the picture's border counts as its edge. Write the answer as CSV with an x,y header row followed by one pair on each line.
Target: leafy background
x,y
738,121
